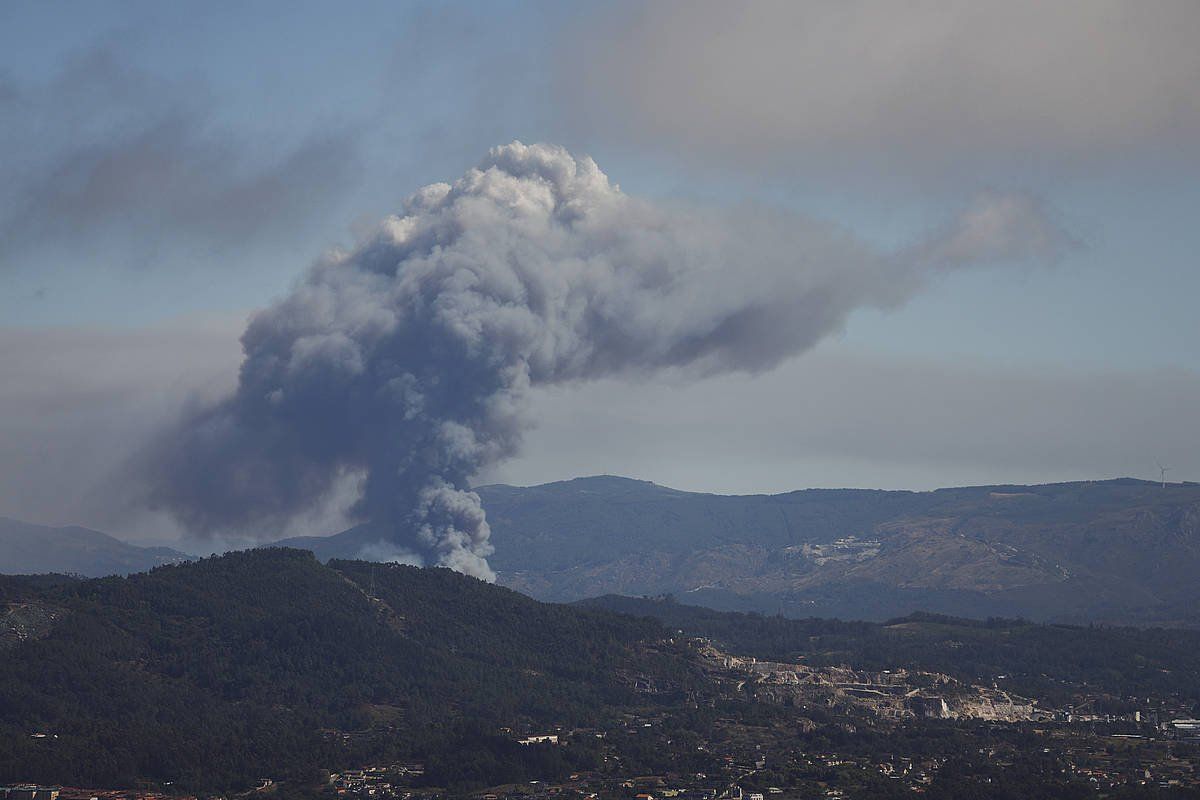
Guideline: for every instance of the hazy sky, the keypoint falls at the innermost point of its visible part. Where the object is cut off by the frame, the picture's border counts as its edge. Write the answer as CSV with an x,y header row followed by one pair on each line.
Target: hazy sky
x,y
169,169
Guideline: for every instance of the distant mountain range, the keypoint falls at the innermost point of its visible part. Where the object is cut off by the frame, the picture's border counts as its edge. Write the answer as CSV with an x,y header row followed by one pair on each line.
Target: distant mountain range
x,y
1113,551
1121,551
1116,551
31,549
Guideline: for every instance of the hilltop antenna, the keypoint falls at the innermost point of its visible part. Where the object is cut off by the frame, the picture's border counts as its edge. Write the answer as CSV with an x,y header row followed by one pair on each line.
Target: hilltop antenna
x,y
1162,473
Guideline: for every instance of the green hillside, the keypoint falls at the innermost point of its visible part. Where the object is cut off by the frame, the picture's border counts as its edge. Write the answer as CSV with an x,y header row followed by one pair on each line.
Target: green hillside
x,y
267,662
212,675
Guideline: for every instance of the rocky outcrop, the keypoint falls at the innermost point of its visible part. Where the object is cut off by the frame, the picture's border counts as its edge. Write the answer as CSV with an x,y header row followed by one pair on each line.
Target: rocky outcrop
x,y
898,693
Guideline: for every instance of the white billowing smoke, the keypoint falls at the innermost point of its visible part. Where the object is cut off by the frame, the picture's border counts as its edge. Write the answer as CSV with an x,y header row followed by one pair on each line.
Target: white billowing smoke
x,y
409,360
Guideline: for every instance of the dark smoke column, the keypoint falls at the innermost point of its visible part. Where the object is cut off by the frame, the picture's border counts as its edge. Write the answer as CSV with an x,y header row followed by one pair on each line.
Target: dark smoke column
x,y
409,359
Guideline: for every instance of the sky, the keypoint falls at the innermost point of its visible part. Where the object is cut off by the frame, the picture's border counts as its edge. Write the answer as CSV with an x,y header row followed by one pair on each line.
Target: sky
x,y
169,170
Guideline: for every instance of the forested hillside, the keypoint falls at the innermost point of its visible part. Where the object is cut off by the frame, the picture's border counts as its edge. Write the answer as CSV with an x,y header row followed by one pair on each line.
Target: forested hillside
x,y
211,675
268,662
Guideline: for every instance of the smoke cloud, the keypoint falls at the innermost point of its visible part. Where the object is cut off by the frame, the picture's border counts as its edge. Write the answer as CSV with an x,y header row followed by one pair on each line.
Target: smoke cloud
x,y
114,157
917,88
409,360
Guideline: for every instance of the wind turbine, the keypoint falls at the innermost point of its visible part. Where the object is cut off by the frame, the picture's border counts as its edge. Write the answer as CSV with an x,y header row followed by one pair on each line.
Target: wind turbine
x,y
1162,473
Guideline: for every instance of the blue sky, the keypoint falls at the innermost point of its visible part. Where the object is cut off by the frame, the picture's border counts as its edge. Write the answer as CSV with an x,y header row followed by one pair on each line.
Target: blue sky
x,y
273,74
260,135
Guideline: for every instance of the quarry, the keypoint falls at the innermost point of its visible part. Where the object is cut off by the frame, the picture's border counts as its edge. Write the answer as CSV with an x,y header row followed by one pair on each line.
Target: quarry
x,y
890,694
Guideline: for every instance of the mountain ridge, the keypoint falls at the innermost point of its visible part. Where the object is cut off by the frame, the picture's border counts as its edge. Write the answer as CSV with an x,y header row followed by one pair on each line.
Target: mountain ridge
x,y
31,549
1121,550
217,671
1118,550
268,667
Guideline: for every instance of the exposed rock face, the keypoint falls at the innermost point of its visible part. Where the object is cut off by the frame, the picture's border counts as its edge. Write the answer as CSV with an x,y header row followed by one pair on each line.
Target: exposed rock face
x,y
997,705
896,693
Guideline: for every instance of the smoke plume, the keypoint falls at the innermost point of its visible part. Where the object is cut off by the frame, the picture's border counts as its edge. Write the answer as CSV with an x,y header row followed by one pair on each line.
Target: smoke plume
x,y
409,360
